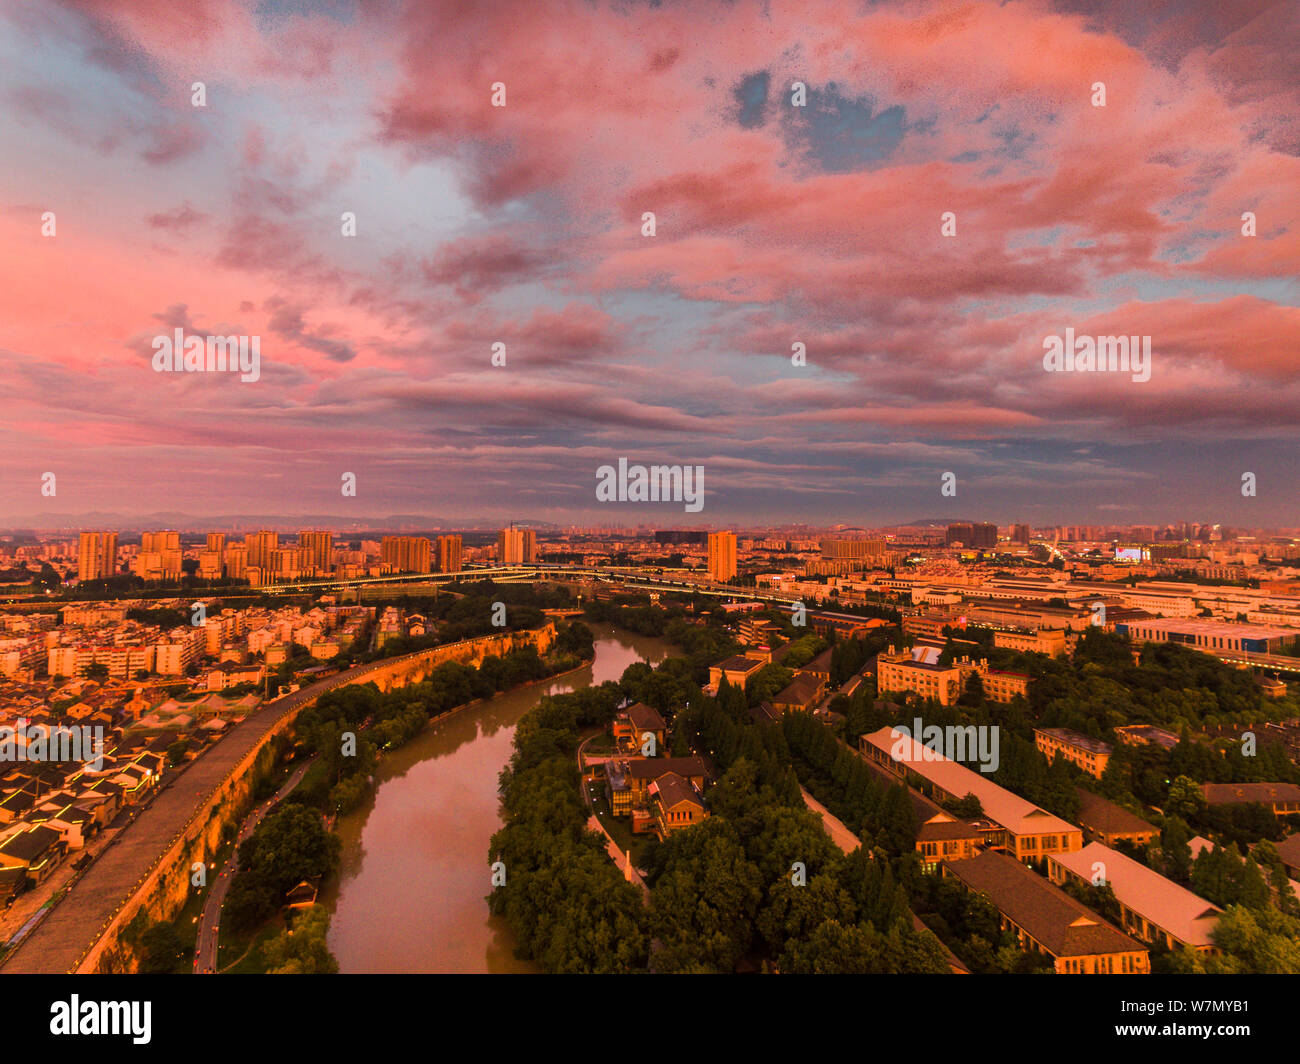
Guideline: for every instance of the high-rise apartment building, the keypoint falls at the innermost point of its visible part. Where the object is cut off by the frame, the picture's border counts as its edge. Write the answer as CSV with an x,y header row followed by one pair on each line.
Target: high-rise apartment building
x,y
722,555
516,546
449,550
212,559
319,546
1020,534
980,534
97,555
285,563
236,561
108,553
407,554
160,556
260,545
856,550
681,537
159,541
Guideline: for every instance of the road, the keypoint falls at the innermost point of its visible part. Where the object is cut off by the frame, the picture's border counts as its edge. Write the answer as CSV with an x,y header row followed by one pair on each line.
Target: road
x,y
653,578
840,835
205,955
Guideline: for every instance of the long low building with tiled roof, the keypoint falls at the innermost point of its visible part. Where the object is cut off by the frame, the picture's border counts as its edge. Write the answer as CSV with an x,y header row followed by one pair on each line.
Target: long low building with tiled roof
x,y
1155,909
1104,821
1282,798
1049,921
1289,850
1028,831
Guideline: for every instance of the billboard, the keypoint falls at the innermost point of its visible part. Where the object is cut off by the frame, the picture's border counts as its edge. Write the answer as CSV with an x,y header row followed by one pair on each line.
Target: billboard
x,y
1129,554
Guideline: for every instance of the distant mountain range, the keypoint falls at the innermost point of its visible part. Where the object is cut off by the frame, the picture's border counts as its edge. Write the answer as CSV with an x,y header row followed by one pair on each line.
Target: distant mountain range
x,y
184,522
188,522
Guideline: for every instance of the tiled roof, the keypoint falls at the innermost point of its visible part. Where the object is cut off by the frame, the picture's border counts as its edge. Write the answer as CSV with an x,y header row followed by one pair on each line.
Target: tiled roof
x,y
802,690
645,718
651,768
1163,902
1097,813
1064,926
1016,814
28,845
739,663
1289,850
673,790
821,663
1238,793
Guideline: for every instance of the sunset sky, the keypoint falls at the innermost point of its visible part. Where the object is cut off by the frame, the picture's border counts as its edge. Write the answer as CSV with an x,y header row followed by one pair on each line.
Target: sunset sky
x,y
775,224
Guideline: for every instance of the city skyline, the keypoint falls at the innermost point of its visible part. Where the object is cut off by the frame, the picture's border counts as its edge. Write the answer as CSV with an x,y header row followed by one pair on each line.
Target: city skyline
x,y
806,324
193,526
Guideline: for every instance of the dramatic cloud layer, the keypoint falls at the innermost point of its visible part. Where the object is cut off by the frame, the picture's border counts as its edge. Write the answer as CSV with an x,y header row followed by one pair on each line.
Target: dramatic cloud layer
x,y
775,225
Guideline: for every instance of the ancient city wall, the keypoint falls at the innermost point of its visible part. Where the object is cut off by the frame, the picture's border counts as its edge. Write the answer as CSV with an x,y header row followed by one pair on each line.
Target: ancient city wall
x,y
163,892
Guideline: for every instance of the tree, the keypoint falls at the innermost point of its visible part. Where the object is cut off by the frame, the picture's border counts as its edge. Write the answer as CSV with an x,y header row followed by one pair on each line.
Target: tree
x,y
768,681
348,793
1185,798
704,902
898,820
162,948
835,949
973,695
301,949
249,902
576,639
1175,853
793,913
1252,891
1263,941
1217,875
289,846
1270,862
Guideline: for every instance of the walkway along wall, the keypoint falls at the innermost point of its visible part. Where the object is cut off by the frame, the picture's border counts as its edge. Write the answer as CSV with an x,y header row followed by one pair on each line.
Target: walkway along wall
x,y
86,933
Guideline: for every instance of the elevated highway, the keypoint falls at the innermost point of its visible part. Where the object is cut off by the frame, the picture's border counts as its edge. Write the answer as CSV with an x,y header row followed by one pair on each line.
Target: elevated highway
x,y
1276,662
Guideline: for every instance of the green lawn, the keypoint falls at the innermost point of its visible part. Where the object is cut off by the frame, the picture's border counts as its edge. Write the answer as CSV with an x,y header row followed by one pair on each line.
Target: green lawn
x,y
619,828
601,746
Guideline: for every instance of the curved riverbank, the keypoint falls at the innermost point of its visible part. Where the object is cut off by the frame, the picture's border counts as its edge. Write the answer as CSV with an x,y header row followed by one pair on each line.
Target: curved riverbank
x,y
409,896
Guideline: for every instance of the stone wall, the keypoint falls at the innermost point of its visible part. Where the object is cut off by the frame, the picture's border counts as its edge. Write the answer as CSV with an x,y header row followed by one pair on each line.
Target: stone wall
x,y
165,890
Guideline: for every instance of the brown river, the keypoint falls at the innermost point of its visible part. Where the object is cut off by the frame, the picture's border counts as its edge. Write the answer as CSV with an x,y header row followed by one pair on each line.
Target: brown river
x,y
410,893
